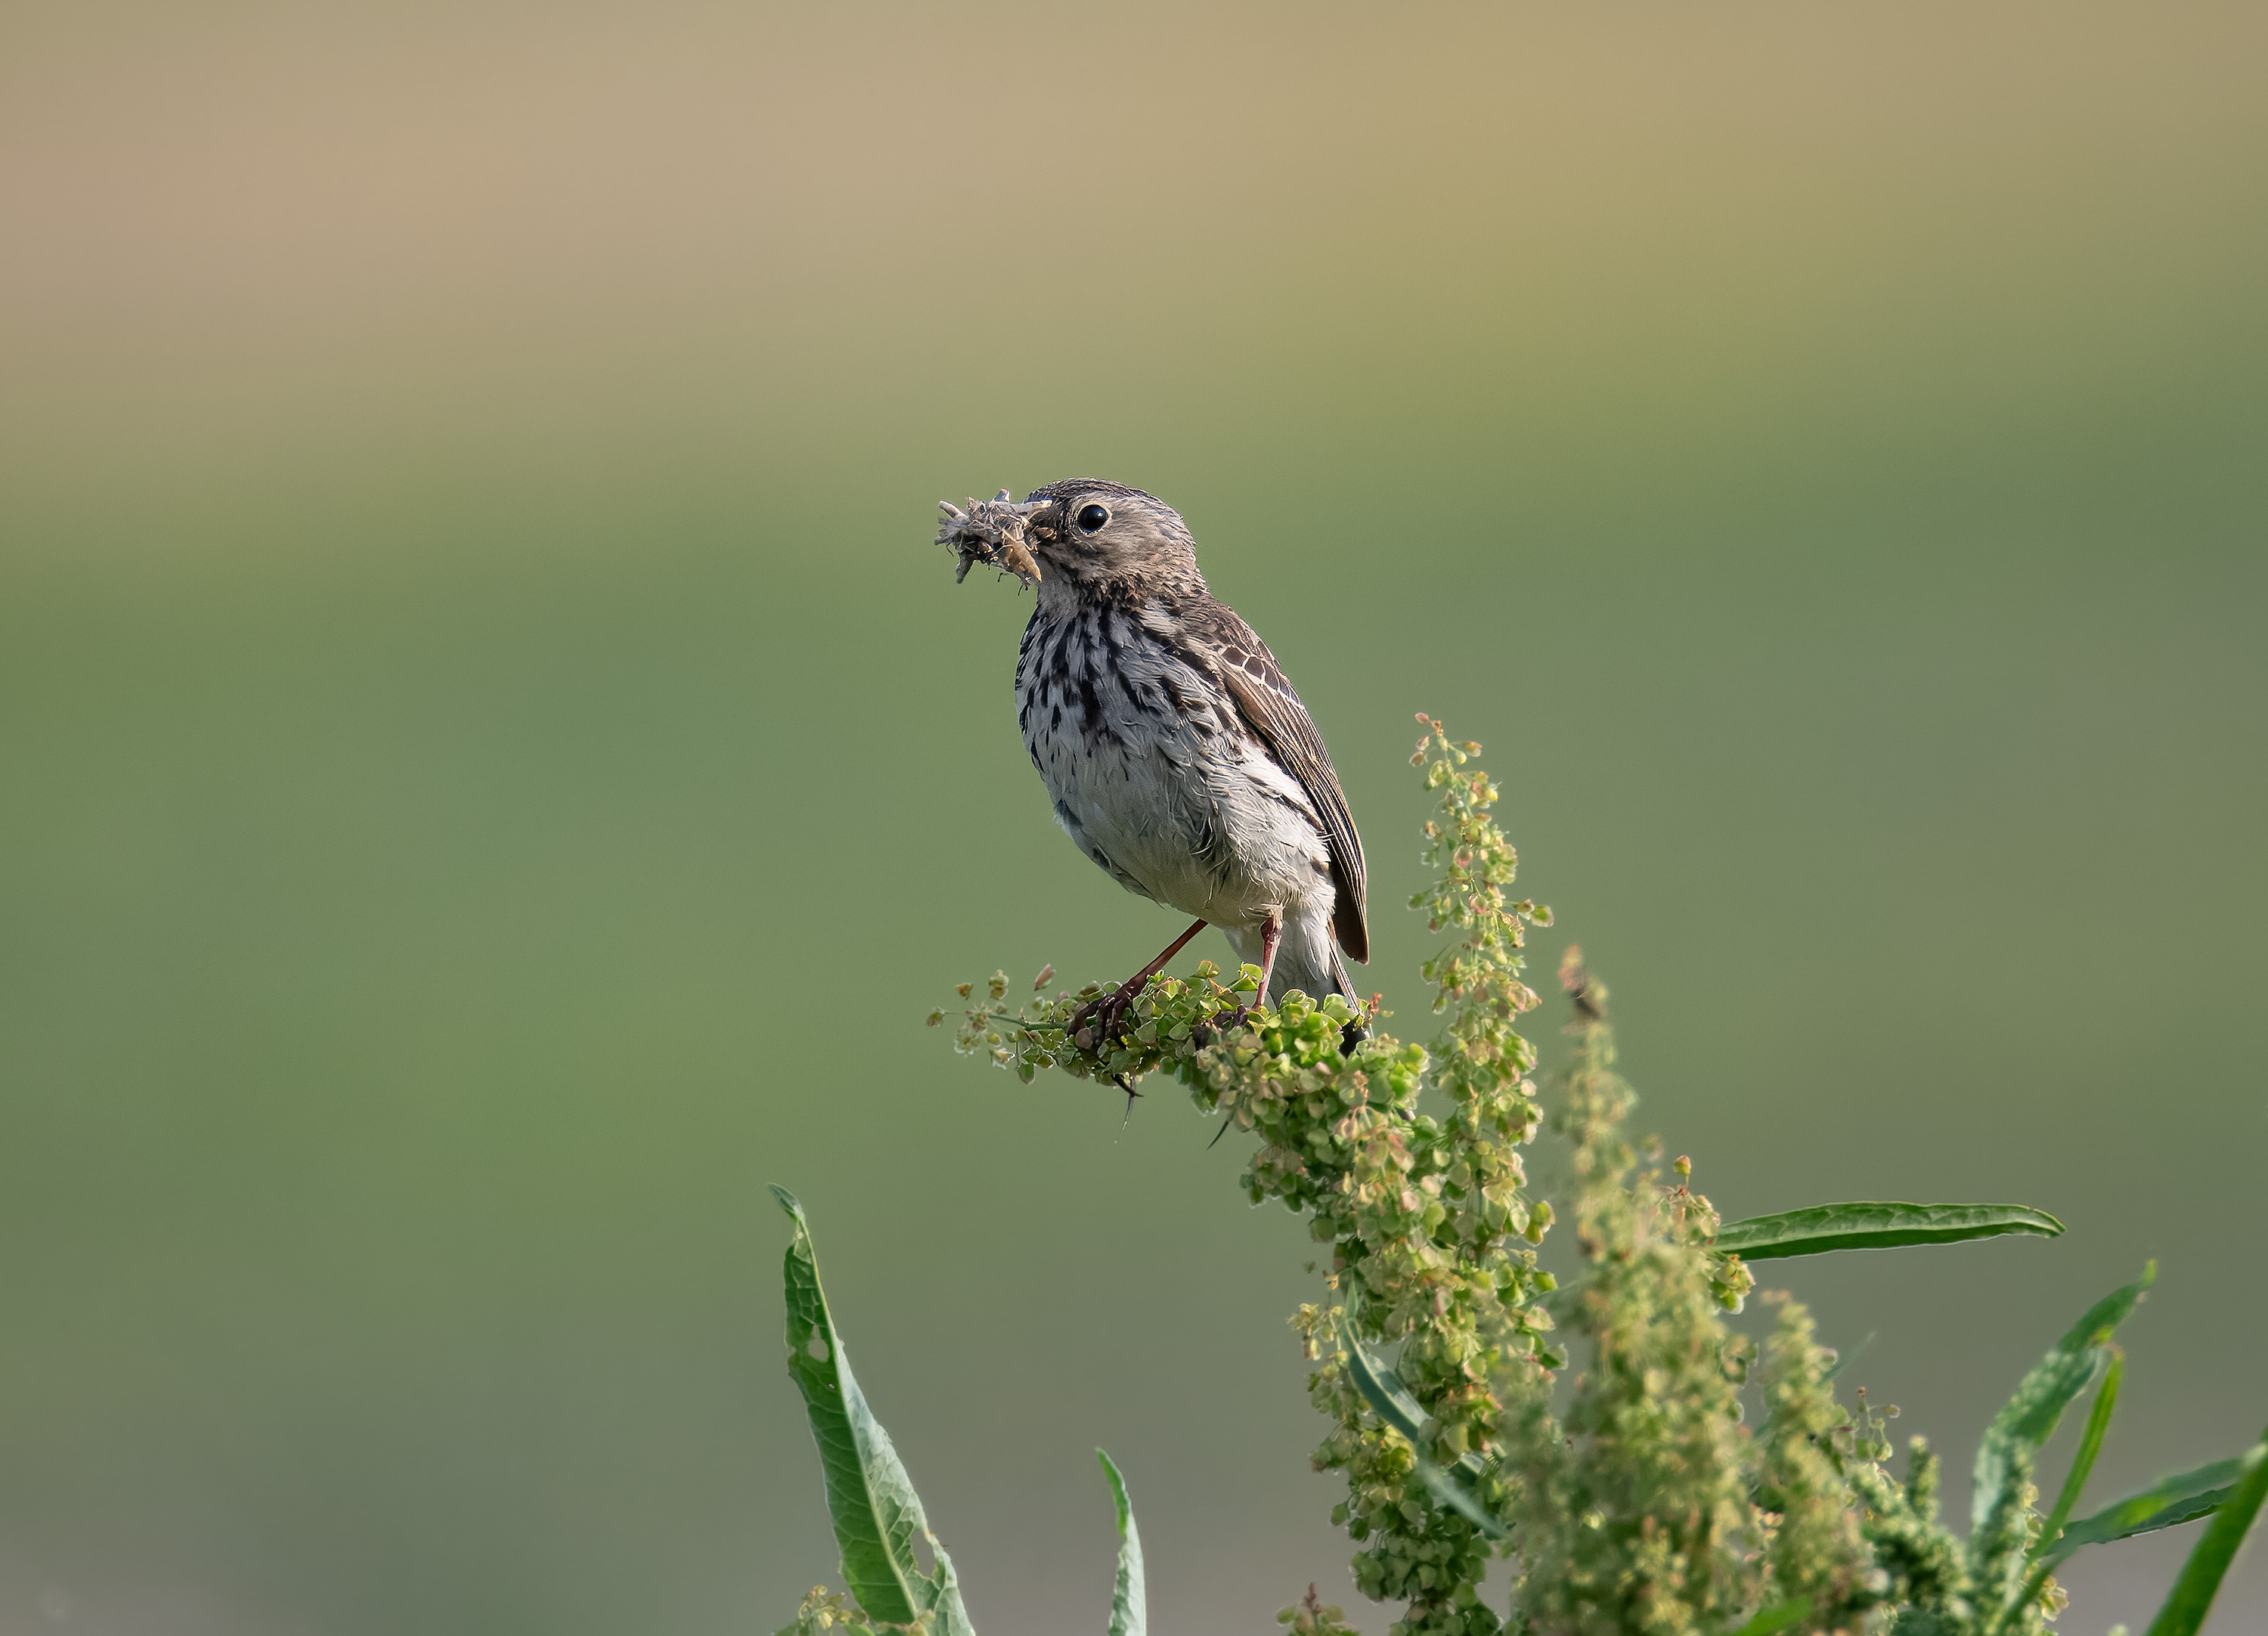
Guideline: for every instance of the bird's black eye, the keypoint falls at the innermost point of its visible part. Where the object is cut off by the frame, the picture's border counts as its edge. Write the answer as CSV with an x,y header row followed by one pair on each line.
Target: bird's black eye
x,y
1092,518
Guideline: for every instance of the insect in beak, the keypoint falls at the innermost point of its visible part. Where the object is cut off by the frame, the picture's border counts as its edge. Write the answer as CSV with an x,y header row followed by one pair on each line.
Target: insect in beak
x,y
991,532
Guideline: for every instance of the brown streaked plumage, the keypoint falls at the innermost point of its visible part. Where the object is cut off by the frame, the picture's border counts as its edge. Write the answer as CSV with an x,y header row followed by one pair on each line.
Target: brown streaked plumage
x,y
1177,754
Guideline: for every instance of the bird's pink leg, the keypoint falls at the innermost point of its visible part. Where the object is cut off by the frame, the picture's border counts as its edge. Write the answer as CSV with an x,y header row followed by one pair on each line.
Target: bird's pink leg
x,y
1271,935
1134,984
1113,1006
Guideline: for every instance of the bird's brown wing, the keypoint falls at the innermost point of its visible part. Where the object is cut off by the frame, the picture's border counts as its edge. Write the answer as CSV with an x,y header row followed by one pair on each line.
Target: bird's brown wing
x,y
1264,697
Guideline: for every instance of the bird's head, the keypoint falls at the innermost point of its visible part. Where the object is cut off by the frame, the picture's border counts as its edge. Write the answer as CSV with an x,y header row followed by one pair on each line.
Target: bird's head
x,y
1078,539
1088,535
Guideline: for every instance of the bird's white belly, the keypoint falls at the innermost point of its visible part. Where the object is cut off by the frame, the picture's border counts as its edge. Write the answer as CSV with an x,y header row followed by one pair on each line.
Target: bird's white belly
x,y
1155,778
1225,840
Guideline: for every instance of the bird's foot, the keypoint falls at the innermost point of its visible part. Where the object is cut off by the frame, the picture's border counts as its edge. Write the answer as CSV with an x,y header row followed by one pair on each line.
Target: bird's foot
x,y
1098,1021
1218,1026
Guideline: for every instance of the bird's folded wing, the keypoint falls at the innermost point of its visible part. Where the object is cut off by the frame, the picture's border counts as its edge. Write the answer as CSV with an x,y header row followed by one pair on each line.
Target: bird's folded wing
x,y
1264,698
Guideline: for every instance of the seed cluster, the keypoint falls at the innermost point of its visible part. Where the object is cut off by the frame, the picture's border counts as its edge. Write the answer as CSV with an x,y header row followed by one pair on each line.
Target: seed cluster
x,y
1633,1499
1429,1224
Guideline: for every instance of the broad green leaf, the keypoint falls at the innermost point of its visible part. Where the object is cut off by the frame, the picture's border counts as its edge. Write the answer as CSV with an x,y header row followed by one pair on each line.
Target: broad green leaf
x,y
2168,1502
1384,1391
1127,1616
2193,1592
2010,1445
875,1509
1883,1225
1777,1618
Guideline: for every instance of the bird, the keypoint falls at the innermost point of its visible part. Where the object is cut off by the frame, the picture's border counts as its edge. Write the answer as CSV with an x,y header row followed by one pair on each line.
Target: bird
x,y
1176,753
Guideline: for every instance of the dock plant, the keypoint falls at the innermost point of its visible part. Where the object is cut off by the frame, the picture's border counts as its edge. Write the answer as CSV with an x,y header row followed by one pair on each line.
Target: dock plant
x,y
1638,1466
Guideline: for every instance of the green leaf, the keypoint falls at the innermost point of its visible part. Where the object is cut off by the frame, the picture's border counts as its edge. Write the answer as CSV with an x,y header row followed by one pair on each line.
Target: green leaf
x,y
2012,1444
1384,1391
2193,1592
2168,1502
2105,1315
875,1510
2090,1445
1127,1616
1884,1225
2074,1483
1777,1618
2012,1441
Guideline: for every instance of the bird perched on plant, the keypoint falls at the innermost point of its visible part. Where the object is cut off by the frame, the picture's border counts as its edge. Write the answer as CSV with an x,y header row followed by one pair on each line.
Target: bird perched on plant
x,y
1177,754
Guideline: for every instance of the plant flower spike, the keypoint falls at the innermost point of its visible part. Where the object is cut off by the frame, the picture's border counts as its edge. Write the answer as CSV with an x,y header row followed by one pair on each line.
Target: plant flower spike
x,y
1591,1435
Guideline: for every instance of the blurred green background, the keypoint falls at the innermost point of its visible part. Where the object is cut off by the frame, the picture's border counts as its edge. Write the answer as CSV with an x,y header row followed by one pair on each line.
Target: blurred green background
x,y
495,771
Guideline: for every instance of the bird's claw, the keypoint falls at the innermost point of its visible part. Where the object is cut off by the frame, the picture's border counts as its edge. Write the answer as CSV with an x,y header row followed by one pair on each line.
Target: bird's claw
x,y
1097,1020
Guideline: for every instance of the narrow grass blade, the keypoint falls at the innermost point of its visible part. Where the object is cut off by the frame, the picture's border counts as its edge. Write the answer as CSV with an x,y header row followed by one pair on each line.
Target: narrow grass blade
x,y
2201,1576
2090,1445
1128,1615
2168,1502
871,1500
1384,1391
1879,1226
1843,1361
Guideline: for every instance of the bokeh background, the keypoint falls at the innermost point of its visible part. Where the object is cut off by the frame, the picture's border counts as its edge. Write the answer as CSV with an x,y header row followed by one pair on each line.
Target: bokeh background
x,y
492,770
